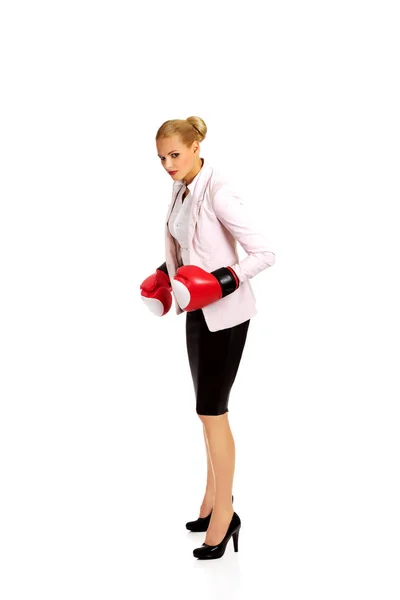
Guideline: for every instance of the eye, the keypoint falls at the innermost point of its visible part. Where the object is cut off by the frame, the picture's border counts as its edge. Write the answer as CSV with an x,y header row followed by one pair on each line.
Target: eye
x,y
173,155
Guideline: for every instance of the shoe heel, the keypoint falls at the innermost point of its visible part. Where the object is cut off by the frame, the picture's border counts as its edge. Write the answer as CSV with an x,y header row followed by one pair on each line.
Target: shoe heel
x,y
235,537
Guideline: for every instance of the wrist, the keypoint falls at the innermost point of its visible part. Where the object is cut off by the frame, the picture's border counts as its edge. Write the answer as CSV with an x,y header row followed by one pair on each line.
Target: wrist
x,y
227,279
163,269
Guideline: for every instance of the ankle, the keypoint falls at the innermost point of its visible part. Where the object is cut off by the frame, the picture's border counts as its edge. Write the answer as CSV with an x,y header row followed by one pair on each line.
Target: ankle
x,y
209,495
223,506
207,504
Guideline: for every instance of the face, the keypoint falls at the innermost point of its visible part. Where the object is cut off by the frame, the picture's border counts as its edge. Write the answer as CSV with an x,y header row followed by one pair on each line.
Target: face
x,y
175,156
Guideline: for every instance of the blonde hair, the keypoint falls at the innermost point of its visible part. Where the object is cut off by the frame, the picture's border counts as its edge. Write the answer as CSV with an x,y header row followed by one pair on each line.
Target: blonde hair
x,y
189,130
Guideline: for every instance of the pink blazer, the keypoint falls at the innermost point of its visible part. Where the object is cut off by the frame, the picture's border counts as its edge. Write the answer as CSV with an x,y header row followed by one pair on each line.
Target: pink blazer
x,y
217,221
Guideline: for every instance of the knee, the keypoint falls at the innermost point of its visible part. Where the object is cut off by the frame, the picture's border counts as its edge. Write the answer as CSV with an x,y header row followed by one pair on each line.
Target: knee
x,y
210,419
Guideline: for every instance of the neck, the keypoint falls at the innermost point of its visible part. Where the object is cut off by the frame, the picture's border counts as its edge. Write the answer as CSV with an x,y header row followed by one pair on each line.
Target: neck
x,y
190,176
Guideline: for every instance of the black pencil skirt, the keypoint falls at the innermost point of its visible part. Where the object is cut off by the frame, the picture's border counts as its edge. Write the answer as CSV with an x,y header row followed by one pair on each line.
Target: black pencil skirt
x,y
214,358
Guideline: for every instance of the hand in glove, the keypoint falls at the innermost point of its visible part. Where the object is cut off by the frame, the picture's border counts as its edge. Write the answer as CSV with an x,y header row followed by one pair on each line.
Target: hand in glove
x,y
195,288
156,291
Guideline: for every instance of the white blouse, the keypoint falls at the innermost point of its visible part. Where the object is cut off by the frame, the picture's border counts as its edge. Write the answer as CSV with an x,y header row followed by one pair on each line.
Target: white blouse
x,y
178,225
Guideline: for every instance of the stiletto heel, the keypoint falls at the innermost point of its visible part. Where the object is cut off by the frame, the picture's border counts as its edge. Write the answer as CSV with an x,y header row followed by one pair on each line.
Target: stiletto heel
x,y
206,551
201,524
235,537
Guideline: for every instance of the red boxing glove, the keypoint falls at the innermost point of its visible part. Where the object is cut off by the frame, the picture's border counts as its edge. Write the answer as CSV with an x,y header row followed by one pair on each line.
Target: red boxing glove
x,y
156,291
195,288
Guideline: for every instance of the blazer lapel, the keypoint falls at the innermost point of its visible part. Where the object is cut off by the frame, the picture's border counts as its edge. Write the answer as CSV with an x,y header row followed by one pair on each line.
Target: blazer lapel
x,y
198,196
175,191
197,192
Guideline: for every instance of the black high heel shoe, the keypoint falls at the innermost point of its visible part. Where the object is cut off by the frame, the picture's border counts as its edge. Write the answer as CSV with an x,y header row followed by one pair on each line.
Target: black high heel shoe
x,y
206,551
201,524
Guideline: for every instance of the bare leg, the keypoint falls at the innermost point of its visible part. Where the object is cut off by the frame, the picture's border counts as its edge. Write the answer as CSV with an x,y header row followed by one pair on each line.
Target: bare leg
x,y
222,454
208,501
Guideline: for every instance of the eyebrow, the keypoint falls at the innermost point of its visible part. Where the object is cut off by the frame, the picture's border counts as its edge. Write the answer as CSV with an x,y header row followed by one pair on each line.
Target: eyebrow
x,y
172,151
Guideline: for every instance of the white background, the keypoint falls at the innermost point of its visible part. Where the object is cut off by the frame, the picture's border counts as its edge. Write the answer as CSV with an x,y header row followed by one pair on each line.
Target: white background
x,y
102,454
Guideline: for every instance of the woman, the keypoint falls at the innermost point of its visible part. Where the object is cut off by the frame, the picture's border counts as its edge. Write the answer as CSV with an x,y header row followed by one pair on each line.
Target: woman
x,y
204,276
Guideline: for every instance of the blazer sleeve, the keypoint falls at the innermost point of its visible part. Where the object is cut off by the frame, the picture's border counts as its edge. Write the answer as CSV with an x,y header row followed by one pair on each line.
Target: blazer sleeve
x,y
232,213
